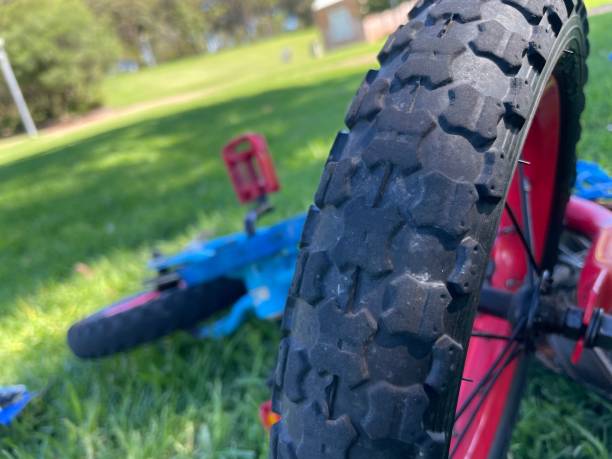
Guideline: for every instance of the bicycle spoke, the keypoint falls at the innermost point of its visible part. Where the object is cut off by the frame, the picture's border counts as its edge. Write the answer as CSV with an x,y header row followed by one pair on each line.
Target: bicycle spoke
x,y
524,241
512,349
513,337
517,351
527,227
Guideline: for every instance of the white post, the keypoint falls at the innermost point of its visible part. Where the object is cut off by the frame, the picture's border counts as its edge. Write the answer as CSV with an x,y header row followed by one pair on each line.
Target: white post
x,y
11,81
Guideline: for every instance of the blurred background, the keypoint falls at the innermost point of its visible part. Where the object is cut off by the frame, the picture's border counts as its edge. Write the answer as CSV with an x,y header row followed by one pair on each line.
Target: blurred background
x,y
132,101
62,50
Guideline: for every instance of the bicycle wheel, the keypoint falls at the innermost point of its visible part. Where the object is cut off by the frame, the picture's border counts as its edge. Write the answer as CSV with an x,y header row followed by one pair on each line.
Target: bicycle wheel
x,y
402,233
147,316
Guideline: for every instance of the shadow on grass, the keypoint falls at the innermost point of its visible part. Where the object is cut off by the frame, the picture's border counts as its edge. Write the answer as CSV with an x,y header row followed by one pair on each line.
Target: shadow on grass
x,y
149,181
125,190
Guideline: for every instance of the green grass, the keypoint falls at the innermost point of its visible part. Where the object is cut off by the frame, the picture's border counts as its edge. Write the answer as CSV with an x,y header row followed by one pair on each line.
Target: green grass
x,y
107,195
595,3
220,73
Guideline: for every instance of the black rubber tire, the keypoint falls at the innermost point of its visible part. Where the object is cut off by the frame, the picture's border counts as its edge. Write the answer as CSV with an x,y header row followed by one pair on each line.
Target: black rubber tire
x,y
395,249
175,309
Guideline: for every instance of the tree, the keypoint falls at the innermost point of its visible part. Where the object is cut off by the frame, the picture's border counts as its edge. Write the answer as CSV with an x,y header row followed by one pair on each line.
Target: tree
x,y
239,18
174,28
380,5
299,8
59,54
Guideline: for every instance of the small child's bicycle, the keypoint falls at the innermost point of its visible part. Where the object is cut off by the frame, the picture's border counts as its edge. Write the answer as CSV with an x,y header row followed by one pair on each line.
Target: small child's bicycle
x,y
242,273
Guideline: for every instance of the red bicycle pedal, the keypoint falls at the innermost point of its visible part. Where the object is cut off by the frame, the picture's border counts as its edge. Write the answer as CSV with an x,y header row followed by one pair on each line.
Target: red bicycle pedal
x,y
250,167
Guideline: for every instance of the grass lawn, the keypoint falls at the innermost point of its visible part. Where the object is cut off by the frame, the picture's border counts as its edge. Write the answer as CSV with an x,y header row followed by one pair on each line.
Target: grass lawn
x,y
107,195
224,72
595,3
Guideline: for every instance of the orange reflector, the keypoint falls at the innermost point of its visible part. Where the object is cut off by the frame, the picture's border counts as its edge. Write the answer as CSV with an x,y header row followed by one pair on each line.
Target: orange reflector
x,y
268,417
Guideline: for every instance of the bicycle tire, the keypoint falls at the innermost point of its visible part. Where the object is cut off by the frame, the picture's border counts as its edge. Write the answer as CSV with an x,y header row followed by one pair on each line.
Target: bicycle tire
x,y
122,326
395,248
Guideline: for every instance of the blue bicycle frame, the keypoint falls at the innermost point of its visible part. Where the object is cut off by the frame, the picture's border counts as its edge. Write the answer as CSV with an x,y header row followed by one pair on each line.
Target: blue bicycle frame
x,y
264,261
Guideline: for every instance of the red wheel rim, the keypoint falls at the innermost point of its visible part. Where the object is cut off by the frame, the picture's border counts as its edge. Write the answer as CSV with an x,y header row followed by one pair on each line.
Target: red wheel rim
x,y
477,428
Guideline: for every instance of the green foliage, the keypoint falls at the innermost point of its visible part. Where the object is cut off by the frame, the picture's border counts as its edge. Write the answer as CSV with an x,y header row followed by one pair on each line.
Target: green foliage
x,y
372,6
174,28
299,8
242,20
177,28
59,54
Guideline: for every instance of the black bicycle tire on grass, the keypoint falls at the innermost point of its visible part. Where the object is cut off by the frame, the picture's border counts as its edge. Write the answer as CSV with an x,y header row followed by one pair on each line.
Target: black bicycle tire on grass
x,y
180,308
395,248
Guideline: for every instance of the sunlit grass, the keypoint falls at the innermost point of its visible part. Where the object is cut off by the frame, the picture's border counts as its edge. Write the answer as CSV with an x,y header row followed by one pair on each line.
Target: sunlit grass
x,y
219,73
595,3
